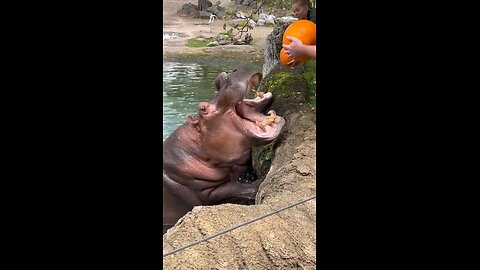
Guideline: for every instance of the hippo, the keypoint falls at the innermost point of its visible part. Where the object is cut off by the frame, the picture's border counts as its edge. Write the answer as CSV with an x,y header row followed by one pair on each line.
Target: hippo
x,y
204,157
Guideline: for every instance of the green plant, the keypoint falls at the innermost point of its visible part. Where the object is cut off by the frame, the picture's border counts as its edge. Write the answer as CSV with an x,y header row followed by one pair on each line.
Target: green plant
x,y
310,76
195,42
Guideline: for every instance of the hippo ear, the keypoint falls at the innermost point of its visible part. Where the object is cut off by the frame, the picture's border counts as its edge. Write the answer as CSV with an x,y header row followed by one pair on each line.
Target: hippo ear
x,y
220,80
254,81
193,120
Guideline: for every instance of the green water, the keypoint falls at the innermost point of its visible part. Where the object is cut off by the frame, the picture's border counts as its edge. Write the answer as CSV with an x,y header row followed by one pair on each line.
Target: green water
x,y
185,84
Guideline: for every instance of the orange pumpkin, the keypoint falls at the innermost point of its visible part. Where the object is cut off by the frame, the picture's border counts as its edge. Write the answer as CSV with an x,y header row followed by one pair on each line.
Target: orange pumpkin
x,y
285,59
304,30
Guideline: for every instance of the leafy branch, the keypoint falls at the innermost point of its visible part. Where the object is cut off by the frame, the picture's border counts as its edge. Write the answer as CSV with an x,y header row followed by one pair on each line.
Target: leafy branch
x,y
242,27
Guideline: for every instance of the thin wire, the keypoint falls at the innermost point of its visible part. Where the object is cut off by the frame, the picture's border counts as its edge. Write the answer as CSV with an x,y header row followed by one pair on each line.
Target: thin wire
x,y
236,227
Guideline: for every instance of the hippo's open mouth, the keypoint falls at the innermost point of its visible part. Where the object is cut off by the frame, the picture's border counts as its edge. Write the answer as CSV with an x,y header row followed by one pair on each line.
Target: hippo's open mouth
x,y
250,111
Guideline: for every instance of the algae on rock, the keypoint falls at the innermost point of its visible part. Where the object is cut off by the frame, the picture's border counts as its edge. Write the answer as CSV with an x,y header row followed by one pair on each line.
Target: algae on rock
x,y
289,91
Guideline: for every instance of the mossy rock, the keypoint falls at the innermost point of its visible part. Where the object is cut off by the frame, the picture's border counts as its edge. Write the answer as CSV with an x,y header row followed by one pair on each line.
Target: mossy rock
x,y
288,89
262,159
289,94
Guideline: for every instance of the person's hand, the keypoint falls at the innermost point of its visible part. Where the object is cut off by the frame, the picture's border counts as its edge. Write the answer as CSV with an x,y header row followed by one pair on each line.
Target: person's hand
x,y
292,63
295,49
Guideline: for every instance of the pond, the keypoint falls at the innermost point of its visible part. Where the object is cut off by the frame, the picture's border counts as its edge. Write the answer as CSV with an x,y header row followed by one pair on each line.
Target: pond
x,y
188,82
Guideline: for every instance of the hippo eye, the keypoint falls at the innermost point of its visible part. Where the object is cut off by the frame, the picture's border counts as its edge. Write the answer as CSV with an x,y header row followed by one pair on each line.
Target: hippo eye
x,y
203,108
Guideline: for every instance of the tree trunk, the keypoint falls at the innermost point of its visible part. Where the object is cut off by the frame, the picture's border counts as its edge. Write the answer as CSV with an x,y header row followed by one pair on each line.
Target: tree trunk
x,y
282,241
202,5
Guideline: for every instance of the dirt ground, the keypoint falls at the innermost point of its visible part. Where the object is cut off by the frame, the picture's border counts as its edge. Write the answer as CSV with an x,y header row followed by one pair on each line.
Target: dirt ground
x,y
187,28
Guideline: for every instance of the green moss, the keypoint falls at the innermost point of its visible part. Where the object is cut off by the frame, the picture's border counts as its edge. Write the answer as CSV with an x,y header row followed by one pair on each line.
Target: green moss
x,y
312,101
195,42
310,76
282,77
262,159
268,152
283,83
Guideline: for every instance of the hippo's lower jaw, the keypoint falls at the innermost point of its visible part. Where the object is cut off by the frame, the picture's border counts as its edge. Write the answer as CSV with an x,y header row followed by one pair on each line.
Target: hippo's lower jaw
x,y
251,109
265,133
253,123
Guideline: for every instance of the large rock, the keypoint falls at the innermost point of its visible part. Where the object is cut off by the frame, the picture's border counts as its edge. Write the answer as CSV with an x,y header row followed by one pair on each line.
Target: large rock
x,y
261,22
188,10
222,39
205,14
189,6
250,22
273,45
213,10
221,12
265,19
270,20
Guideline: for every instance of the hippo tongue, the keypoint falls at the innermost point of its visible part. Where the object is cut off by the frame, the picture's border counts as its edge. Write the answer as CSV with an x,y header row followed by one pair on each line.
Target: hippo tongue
x,y
250,109
251,128
248,113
